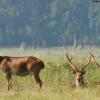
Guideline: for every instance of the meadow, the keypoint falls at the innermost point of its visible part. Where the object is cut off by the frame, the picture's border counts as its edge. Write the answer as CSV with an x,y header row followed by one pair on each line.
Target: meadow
x,y
57,76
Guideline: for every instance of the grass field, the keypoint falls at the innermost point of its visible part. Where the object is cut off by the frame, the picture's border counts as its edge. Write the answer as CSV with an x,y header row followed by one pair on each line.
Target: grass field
x,y
57,76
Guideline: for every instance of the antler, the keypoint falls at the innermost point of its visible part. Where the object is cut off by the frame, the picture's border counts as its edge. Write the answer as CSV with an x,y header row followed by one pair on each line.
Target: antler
x,y
84,66
94,60
70,63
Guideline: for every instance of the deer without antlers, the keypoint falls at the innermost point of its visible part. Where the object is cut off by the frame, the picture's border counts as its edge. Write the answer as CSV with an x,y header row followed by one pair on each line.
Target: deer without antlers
x,y
21,66
79,73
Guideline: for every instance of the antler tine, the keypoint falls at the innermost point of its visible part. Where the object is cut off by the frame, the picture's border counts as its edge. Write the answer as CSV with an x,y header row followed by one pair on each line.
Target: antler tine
x,y
84,66
93,57
70,63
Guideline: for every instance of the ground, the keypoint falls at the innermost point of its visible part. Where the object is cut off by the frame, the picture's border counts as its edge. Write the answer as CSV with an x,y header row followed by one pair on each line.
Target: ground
x,y
57,76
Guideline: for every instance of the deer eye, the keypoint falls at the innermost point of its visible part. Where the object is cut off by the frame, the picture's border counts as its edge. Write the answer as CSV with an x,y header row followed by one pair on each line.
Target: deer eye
x,y
74,72
83,72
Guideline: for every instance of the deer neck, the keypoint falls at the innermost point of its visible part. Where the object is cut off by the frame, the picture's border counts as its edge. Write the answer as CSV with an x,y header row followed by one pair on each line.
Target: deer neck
x,y
77,84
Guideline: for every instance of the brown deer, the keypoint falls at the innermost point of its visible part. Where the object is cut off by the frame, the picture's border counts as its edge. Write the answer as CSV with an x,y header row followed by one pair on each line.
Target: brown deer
x,y
79,73
21,66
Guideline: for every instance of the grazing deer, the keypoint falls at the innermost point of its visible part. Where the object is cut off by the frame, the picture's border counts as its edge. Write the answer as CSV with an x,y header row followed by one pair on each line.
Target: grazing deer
x,y
21,66
79,73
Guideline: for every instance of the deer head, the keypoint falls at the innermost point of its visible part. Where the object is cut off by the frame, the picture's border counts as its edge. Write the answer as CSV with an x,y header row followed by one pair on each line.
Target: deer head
x,y
78,73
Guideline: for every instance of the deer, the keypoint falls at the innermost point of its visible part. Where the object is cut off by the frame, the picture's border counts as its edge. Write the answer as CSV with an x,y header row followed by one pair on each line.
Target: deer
x,y
98,65
21,66
78,73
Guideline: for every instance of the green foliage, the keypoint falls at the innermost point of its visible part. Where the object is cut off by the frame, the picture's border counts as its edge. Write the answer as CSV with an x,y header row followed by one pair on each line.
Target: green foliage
x,y
49,23
57,77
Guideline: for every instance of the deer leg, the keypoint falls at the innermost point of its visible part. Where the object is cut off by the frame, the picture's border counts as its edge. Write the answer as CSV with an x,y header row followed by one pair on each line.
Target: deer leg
x,y
9,80
38,80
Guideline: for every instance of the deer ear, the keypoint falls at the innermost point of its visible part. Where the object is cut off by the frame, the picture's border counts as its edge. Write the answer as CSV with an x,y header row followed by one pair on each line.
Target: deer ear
x,y
83,72
74,72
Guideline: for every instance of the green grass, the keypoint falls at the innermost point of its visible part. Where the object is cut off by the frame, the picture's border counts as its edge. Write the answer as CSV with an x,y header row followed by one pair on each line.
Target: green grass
x,y
50,92
57,76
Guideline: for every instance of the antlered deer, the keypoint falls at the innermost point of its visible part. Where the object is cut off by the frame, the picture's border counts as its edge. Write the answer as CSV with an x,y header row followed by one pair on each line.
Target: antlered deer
x,y
79,73
21,66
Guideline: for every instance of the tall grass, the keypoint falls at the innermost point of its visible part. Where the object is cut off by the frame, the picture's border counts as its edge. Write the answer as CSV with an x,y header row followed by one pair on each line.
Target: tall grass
x,y
57,76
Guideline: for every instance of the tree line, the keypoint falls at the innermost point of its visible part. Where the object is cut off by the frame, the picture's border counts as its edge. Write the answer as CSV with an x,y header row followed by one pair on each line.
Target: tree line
x,y
49,23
